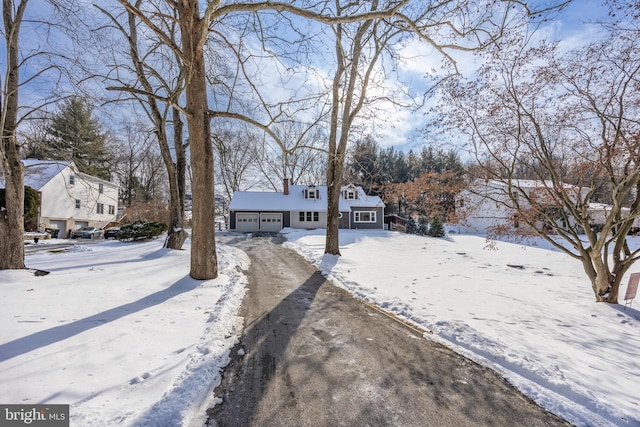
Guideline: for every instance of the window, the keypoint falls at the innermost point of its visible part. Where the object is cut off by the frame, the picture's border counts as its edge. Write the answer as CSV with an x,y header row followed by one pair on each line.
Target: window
x,y
77,204
350,195
112,210
100,188
72,179
100,208
311,192
309,216
368,216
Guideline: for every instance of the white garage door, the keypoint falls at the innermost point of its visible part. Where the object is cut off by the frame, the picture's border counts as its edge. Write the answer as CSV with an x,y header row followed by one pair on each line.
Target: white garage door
x,y
270,221
247,222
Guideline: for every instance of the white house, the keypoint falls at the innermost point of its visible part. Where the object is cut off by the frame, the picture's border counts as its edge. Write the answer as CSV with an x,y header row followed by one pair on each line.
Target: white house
x,y
487,204
598,212
303,206
70,199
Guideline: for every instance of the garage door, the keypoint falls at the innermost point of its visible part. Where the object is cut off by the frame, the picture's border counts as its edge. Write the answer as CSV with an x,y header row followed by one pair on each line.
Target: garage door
x,y
270,221
80,224
247,222
59,224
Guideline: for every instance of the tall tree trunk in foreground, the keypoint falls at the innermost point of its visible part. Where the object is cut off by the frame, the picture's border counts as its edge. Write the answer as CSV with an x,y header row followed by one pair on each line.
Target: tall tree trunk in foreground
x,y
194,30
12,217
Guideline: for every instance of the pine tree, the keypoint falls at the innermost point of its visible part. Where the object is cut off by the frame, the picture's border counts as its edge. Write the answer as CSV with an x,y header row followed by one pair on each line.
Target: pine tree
x,y
73,134
436,228
423,227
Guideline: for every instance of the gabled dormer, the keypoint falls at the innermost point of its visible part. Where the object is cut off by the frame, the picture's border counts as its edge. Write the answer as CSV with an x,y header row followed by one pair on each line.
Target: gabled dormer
x,y
350,192
311,192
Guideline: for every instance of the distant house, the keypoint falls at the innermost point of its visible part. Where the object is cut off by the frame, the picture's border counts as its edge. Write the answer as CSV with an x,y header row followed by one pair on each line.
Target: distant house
x,y
598,213
487,204
70,199
303,206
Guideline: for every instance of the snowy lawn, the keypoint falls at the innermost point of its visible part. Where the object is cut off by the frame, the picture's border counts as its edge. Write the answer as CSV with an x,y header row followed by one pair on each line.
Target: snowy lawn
x,y
527,312
119,331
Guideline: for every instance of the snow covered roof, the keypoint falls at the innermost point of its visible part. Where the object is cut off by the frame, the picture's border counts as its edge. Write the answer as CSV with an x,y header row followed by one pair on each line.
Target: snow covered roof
x,y
295,201
38,172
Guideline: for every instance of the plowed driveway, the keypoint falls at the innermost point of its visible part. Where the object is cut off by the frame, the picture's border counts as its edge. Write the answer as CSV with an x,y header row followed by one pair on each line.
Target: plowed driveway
x,y
311,355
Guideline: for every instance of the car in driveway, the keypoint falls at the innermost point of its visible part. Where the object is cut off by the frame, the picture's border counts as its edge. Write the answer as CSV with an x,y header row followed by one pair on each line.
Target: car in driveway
x,y
110,233
88,233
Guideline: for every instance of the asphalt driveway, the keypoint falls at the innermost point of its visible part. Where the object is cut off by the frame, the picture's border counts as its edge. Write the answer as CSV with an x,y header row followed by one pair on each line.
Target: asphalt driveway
x,y
311,355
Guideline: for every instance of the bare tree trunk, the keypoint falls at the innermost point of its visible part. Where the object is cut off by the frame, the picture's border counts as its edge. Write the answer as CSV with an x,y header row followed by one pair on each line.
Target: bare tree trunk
x,y
344,98
334,185
204,263
177,235
12,218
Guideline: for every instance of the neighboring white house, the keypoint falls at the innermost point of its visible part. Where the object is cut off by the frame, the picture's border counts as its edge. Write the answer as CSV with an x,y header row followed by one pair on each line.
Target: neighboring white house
x,y
70,199
487,205
303,206
598,212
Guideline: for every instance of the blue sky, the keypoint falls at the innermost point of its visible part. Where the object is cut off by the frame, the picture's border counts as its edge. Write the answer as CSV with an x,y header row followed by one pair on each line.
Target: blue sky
x,y
402,128
576,25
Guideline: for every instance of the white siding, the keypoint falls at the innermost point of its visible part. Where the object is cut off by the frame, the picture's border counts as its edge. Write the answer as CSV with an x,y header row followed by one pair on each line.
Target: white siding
x,y
58,199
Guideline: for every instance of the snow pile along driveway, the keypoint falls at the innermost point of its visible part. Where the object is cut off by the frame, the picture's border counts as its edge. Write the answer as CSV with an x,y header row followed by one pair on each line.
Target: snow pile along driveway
x,y
527,312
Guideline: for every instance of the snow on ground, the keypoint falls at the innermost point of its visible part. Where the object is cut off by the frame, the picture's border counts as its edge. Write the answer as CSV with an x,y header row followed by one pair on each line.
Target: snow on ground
x,y
527,312
119,331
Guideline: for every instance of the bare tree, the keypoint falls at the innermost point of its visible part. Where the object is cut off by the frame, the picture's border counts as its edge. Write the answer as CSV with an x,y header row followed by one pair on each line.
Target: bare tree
x,y
575,118
236,153
25,63
300,155
197,21
12,215
152,75
444,26
132,151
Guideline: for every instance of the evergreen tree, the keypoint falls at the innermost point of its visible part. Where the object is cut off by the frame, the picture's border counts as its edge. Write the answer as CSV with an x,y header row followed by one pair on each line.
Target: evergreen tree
x,y
436,228
423,226
362,168
412,226
73,134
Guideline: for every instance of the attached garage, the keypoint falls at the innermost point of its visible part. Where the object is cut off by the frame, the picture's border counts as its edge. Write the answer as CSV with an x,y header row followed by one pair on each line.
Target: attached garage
x,y
270,222
247,222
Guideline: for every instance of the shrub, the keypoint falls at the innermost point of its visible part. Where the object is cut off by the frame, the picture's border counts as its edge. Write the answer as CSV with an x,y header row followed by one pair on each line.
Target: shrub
x,y
141,230
423,227
412,226
436,229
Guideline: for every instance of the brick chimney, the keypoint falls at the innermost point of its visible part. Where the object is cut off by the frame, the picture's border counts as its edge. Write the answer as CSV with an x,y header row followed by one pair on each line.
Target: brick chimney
x,y
285,189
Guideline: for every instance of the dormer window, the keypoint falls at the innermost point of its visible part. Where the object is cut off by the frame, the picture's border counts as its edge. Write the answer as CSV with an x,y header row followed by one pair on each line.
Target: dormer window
x,y
311,192
72,179
350,193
